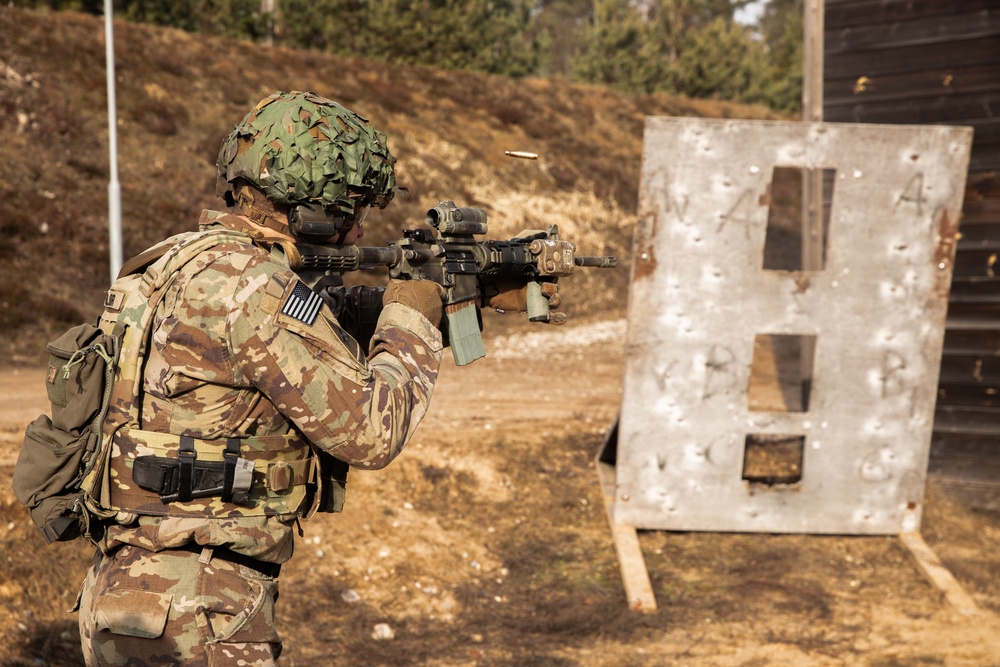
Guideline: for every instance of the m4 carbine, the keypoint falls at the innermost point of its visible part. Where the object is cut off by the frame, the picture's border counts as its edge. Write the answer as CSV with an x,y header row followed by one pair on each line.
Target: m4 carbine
x,y
449,254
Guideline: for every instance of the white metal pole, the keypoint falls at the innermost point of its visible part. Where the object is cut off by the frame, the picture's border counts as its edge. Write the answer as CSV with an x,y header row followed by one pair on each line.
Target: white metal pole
x,y
114,188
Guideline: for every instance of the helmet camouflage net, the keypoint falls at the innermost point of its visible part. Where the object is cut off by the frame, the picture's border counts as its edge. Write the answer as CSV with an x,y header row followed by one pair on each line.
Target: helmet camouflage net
x,y
300,148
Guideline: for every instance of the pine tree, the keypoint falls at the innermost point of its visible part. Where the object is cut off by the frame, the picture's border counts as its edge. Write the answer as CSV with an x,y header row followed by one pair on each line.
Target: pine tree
x,y
723,61
484,35
619,50
558,28
781,27
335,26
228,18
691,47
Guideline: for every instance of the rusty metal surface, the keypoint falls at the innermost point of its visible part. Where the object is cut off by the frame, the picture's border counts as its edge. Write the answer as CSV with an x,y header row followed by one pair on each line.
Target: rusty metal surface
x,y
699,297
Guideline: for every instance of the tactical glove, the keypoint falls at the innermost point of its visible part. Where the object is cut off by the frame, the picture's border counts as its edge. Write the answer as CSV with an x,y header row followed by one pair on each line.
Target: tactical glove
x,y
424,296
510,294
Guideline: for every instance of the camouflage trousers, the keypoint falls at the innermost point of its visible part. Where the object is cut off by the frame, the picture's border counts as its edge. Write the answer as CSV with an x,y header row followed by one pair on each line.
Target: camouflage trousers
x,y
142,608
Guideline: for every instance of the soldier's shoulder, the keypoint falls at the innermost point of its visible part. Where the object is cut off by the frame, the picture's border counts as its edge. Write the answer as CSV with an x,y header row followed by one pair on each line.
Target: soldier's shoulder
x,y
226,261
233,247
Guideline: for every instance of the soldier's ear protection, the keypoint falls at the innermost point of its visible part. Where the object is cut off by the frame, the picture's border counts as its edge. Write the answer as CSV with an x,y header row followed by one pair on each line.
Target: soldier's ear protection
x,y
313,224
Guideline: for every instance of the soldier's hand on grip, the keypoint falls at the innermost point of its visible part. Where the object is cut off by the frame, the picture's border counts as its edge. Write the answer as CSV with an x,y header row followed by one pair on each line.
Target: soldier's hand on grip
x,y
510,294
424,296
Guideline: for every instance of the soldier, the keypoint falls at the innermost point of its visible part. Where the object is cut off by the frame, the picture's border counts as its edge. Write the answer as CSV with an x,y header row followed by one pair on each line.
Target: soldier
x,y
245,364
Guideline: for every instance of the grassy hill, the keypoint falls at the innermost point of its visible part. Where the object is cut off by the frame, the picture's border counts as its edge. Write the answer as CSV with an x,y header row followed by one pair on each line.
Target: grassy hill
x,y
180,94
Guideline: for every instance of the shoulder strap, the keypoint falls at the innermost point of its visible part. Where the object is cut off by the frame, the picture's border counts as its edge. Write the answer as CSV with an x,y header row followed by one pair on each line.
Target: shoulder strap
x,y
142,261
132,302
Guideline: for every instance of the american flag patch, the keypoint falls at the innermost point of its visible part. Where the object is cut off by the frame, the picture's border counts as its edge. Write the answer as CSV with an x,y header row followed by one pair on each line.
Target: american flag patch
x,y
303,304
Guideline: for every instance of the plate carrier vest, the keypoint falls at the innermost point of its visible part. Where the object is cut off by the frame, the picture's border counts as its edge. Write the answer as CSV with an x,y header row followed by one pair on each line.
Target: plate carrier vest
x,y
285,477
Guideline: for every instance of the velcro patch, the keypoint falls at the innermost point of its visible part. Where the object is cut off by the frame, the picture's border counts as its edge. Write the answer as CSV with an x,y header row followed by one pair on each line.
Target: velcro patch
x,y
114,300
302,304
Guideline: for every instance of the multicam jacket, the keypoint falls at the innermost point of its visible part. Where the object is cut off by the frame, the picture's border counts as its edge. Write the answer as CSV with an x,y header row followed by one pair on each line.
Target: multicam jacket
x,y
239,348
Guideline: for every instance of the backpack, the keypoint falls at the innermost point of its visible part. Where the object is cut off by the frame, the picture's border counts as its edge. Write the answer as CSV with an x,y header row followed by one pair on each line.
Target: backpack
x,y
59,451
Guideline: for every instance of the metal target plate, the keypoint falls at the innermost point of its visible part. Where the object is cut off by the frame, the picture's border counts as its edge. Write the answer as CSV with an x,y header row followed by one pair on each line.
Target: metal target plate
x,y
700,300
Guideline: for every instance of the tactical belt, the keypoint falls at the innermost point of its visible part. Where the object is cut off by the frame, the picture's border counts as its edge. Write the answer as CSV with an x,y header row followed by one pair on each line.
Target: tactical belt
x,y
225,553
179,469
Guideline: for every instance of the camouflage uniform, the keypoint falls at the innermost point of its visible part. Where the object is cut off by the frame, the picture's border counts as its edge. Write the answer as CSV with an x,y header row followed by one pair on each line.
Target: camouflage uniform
x,y
229,358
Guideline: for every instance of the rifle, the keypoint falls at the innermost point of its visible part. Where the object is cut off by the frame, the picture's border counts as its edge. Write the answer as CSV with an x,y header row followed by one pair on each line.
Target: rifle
x,y
450,255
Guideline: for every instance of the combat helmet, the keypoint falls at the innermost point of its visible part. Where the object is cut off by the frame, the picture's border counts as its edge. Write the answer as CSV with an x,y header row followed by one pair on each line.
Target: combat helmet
x,y
321,160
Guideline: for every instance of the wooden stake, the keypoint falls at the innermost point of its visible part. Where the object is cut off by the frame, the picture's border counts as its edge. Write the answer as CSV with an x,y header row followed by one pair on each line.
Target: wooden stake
x,y
638,588
938,574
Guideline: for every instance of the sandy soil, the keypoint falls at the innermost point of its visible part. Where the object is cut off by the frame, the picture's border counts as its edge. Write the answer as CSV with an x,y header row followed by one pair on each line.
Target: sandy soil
x,y
486,543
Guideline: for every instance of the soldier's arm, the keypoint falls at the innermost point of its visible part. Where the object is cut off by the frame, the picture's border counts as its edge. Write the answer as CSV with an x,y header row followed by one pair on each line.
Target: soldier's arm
x,y
362,409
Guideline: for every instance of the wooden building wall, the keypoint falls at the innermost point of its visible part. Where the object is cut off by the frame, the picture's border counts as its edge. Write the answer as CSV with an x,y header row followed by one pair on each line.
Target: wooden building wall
x,y
938,62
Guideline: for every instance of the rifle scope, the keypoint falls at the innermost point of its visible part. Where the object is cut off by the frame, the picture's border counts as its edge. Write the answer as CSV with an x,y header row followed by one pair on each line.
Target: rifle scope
x,y
449,219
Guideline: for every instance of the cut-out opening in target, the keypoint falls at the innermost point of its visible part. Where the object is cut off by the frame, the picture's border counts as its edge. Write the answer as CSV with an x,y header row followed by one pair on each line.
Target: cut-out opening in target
x,y
781,373
773,460
798,223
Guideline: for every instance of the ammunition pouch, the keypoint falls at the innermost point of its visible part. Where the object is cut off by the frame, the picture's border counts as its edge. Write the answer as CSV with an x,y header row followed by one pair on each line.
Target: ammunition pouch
x,y
185,478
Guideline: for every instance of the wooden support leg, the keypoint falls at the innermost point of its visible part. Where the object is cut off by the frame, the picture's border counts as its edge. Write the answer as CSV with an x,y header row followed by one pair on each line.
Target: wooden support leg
x,y
938,574
638,589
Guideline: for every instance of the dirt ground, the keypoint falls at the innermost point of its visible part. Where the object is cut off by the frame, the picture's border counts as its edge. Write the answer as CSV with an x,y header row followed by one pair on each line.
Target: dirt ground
x,y
486,544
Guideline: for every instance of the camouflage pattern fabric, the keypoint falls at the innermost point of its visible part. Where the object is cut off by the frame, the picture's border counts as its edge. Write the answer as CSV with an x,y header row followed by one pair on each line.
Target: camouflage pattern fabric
x,y
177,608
240,348
301,148
226,360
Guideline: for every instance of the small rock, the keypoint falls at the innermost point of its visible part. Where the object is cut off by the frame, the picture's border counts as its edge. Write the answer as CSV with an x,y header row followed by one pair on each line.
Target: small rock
x,y
350,596
382,632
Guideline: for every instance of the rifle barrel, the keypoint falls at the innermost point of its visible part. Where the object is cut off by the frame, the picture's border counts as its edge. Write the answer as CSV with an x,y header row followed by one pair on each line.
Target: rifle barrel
x,y
602,262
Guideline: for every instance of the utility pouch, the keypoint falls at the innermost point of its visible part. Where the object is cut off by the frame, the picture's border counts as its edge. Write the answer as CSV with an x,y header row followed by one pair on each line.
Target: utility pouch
x,y
332,483
59,451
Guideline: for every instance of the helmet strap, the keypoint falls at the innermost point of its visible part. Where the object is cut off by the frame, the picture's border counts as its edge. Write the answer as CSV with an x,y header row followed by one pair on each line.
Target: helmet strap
x,y
246,200
262,235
